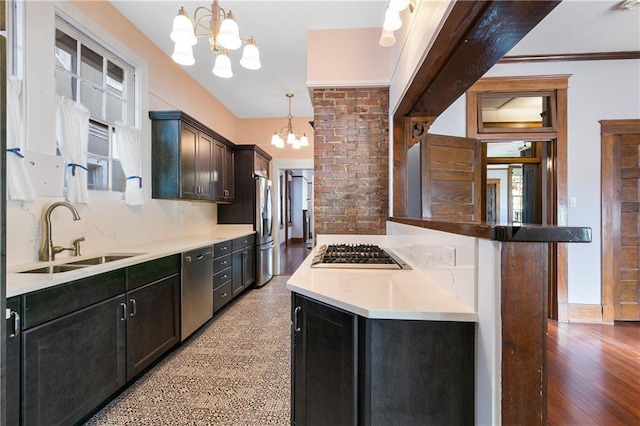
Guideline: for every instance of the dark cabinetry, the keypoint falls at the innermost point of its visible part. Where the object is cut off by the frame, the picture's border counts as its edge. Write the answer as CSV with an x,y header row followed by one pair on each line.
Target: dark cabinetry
x,y
189,160
250,161
83,340
222,273
223,172
352,370
12,366
243,260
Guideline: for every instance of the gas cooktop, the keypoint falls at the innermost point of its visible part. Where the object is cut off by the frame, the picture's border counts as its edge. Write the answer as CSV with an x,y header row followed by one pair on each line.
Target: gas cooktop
x,y
356,256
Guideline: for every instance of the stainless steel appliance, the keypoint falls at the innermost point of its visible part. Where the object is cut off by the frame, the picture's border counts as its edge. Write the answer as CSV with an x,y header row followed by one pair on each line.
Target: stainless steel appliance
x,y
356,256
263,222
197,294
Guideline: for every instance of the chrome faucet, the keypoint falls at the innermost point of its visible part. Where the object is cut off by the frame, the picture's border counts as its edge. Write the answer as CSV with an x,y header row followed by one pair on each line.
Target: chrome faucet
x,y
48,251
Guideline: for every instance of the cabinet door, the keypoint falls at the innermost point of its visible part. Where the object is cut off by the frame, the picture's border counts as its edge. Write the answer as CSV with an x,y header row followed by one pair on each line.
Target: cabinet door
x,y
73,363
153,325
218,171
260,165
249,266
324,364
188,150
12,367
237,283
204,167
229,174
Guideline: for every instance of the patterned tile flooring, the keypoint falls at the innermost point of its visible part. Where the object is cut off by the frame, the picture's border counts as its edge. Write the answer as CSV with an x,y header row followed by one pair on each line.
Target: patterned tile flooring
x,y
233,371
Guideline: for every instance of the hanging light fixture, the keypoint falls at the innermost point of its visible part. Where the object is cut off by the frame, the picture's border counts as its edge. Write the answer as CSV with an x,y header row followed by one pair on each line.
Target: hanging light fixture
x,y
289,133
222,30
392,20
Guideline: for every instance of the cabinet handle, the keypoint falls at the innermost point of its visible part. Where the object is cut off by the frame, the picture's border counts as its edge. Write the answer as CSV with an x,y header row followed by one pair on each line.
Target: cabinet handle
x,y
296,327
16,324
223,263
124,312
223,277
134,307
224,248
200,256
223,295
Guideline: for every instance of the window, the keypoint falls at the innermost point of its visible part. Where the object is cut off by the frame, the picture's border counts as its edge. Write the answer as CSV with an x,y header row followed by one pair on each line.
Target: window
x,y
89,73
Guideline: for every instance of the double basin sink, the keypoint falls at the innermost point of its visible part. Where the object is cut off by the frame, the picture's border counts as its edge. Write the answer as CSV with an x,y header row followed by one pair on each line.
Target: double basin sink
x,y
78,264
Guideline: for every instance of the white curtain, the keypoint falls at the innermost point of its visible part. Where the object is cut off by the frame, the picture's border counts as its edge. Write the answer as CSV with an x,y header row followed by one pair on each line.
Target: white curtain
x,y
128,147
19,185
72,133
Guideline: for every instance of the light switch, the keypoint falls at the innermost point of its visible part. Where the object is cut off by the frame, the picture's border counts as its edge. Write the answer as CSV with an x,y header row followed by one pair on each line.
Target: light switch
x,y
573,202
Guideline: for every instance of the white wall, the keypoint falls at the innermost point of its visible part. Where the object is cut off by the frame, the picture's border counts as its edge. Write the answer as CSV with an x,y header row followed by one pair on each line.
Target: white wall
x,y
598,90
503,176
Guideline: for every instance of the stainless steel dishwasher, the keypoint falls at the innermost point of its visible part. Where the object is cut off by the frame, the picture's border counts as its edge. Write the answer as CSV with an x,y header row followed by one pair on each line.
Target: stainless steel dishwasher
x,y
197,291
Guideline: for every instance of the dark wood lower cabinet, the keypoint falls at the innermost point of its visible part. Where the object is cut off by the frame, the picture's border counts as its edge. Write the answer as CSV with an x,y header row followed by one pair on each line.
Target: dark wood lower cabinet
x,y
153,325
73,363
350,370
12,366
324,364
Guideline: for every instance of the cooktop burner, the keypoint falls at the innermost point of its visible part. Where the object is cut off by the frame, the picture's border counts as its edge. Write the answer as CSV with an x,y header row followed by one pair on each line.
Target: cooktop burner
x,y
362,256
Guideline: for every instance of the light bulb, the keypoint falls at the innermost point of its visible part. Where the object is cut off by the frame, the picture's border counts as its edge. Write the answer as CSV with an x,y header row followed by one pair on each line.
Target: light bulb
x,y
392,21
296,144
291,138
387,38
183,54
183,29
229,35
275,139
399,5
222,66
250,56
280,143
304,141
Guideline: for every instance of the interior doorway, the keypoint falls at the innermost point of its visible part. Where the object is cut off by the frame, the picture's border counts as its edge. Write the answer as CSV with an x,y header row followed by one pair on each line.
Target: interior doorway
x,y
529,112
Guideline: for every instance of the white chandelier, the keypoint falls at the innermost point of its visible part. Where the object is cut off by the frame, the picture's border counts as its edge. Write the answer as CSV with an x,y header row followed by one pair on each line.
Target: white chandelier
x,y
223,33
289,133
392,21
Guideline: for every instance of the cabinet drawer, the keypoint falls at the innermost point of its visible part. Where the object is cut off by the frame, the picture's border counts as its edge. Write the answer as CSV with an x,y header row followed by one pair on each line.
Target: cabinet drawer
x,y
221,296
221,277
45,305
221,249
221,263
241,242
154,270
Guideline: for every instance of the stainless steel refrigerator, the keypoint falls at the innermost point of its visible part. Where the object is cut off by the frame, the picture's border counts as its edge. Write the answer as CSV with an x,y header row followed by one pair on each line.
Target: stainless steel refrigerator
x,y
264,231
252,205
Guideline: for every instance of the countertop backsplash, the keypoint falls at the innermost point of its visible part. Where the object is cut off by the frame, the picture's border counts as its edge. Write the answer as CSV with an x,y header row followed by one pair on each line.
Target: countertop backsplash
x,y
106,225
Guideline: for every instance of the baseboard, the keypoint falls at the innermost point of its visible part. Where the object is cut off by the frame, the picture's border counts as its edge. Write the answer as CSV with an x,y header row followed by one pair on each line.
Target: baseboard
x,y
296,240
585,313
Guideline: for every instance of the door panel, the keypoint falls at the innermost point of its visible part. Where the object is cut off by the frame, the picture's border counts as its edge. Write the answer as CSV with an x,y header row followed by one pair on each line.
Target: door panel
x,y
451,178
621,220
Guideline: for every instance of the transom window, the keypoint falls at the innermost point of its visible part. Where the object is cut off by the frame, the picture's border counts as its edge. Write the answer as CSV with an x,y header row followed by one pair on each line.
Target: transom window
x,y
90,73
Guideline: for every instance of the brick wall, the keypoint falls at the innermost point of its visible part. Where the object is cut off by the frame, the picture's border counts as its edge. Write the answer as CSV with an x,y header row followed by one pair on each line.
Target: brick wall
x,y
351,160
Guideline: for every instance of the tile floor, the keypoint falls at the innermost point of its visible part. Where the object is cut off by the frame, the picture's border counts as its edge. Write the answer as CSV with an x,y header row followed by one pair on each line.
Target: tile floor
x,y
233,371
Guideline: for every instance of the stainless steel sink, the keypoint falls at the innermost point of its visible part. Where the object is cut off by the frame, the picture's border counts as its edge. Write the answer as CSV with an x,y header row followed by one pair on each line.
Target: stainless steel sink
x,y
99,260
79,264
54,269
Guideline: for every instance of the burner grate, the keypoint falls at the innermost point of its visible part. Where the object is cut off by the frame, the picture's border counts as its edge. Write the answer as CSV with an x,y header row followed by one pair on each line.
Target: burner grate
x,y
354,256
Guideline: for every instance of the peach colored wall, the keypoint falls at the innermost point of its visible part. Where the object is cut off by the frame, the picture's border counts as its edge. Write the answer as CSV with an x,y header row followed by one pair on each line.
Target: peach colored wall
x,y
346,58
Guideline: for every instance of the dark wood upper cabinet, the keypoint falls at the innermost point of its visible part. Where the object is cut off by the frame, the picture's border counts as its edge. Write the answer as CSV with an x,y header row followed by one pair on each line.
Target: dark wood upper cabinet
x,y
189,161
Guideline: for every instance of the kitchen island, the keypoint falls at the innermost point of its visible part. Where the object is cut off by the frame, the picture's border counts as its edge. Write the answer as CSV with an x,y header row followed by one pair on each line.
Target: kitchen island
x,y
498,272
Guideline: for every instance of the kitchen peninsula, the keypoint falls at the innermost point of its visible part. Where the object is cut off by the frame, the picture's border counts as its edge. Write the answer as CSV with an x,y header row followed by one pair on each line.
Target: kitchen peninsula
x,y
495,283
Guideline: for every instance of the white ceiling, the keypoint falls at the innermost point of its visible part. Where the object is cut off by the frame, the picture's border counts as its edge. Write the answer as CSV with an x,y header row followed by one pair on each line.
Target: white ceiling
x,y
280,29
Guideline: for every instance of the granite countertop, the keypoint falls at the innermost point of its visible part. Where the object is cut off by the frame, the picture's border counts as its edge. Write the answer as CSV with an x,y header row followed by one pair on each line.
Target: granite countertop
x,y
20,283
380,293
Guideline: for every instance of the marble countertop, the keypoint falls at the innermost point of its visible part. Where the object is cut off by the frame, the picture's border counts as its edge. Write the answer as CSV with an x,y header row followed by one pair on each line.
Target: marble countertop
x,y
21,283
380,293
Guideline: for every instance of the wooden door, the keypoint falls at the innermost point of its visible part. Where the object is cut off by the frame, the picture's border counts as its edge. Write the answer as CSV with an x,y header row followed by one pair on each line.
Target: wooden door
x,y
620,220
451,178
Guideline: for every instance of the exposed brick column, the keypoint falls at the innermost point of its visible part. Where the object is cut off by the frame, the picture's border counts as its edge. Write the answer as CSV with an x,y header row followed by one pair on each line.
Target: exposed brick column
x,y
351,160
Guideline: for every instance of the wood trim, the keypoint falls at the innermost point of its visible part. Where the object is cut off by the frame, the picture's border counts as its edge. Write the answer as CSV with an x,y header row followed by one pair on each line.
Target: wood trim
x,y
630,126
585,313
524,333
562,204
522,83
400,178
566,57
513,160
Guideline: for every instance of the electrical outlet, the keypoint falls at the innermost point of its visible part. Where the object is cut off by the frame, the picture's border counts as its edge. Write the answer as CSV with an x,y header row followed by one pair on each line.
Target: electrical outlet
x,y
449,256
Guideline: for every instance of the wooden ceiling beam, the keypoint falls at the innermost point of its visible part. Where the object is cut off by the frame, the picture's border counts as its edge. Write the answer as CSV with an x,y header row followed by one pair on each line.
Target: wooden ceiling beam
x,y
474,37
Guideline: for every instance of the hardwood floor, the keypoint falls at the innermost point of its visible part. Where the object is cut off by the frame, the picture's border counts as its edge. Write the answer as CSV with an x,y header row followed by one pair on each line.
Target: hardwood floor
x,y
594,374
292,256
